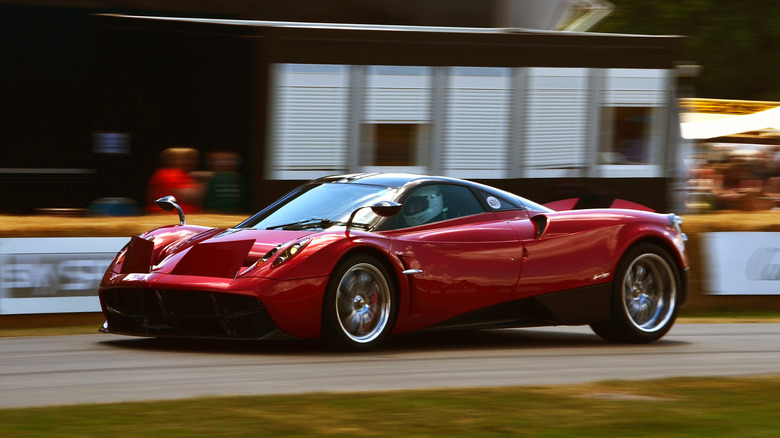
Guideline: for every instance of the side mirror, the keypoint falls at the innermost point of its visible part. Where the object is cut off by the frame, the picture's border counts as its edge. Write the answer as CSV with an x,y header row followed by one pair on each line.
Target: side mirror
x,y
386,208
168,203
383,208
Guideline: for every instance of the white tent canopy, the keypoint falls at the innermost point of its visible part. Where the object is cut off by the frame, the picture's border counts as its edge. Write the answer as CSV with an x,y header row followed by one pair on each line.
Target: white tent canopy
x,y
769,119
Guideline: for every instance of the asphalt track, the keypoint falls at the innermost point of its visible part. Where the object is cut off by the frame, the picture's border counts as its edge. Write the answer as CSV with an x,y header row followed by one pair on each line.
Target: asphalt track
x,y
40,371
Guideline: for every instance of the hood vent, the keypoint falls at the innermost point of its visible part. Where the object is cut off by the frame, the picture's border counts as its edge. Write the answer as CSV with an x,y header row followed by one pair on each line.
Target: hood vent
x,y
214,259
138,257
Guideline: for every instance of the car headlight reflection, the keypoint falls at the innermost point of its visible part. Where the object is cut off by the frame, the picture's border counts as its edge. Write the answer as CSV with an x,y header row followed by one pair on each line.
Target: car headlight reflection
x,y
290,252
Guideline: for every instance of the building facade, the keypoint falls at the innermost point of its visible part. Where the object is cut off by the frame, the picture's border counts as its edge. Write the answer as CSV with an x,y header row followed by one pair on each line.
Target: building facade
x,y
545,114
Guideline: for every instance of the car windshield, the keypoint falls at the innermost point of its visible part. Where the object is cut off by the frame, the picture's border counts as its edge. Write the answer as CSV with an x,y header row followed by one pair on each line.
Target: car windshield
x,y
322,206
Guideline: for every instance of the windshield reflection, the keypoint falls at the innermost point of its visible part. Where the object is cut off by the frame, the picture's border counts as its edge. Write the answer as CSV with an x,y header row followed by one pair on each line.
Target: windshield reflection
x,y
329,203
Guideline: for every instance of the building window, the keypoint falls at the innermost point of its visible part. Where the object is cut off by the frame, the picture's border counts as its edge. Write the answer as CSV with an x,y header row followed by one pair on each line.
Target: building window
x,y
392,144
627,136
396,119
634,121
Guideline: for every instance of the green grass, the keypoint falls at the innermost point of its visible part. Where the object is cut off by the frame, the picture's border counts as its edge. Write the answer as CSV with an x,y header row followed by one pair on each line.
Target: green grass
x,y
685,407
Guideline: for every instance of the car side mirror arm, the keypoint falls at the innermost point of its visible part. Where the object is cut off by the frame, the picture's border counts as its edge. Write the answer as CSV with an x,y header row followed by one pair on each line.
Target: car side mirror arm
x,y
384,209
168,203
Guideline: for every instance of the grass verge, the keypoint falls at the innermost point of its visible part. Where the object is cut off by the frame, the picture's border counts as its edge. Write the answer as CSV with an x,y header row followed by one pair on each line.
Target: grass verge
x,y
684,407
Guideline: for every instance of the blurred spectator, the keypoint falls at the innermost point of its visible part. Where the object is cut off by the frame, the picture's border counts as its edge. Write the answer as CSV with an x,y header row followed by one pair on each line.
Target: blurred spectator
x,y
174,176
740,185
772,192
223,193
701,185
774,160
736,177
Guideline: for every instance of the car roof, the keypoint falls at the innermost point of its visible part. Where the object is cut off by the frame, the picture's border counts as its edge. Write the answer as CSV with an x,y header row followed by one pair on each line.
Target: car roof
x,y
394,180
404,181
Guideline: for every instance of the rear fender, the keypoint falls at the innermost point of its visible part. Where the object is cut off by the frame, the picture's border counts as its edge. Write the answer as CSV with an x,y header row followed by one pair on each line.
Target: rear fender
x,y
668,239
628,205
571,204
576,252
663,235
562,205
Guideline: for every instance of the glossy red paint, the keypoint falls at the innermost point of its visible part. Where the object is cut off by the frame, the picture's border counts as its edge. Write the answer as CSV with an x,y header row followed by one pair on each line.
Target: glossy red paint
x,y
582,248
441,272
622,203
563,204
466,264
294,305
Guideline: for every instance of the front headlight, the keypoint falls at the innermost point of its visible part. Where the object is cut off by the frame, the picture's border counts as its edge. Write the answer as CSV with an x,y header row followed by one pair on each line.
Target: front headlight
x,y
290,252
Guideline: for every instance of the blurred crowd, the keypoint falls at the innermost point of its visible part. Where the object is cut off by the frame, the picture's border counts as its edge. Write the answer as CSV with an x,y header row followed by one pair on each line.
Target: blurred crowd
x,y
217,189
735,177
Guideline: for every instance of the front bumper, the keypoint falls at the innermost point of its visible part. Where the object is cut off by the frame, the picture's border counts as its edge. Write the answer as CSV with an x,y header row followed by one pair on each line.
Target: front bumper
x,y
185,313
165,305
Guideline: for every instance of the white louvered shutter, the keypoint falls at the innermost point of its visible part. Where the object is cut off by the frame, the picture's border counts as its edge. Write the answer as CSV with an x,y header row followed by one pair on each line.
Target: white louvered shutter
x,y
310,121
636,87
398,95
556,111
477,123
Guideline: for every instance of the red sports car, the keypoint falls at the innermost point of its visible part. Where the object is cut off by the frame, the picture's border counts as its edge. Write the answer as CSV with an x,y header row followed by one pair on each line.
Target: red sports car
x,y
352,259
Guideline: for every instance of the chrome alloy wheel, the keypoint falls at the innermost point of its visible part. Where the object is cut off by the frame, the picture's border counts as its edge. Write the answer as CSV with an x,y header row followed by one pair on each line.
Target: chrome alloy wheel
x,y
363,303
649,292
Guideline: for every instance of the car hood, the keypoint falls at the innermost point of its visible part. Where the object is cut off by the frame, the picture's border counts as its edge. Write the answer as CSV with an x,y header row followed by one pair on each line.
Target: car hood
x,y
220,252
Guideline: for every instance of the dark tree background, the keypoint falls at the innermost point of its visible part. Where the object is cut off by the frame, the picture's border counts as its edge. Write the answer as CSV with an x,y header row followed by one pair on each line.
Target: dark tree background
x,y
737,43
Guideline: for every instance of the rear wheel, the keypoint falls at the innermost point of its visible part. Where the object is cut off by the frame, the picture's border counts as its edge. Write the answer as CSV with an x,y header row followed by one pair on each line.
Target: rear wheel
x,y
644,296
360,304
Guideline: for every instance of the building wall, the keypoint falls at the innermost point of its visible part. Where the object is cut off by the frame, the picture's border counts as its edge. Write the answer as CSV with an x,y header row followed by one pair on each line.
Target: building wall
x,y
487,123
206,85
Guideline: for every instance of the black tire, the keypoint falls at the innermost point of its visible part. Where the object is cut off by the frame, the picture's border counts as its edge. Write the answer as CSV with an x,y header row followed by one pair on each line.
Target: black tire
x,y
360,304
645,296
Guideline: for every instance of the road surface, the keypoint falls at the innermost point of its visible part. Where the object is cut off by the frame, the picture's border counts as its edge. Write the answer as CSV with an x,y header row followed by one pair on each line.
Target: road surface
x,y
55,370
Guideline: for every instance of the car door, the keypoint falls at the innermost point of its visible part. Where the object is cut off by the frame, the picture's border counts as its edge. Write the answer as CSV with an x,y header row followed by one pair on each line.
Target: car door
x,y
456,264
564,252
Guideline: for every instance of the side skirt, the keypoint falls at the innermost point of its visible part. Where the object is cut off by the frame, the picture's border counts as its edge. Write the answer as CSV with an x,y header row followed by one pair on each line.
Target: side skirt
x,y
571,307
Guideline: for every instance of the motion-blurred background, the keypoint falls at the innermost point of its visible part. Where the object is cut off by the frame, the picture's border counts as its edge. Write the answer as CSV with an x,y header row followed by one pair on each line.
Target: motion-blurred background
x,y
531,97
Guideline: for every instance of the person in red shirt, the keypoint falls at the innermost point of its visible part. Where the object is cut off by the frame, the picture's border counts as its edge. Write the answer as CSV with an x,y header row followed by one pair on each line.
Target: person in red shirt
x,y
174,177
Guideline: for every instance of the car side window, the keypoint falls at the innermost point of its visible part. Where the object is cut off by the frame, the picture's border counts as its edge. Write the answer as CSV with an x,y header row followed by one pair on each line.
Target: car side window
x,y
498,203
437,202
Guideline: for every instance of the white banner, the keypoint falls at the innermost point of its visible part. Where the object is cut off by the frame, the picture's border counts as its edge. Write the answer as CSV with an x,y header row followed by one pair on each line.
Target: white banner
x,y
742,263
54,275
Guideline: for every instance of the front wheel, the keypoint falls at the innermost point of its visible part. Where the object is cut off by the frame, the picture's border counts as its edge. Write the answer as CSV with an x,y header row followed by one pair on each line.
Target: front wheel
x,y
644,297
360,304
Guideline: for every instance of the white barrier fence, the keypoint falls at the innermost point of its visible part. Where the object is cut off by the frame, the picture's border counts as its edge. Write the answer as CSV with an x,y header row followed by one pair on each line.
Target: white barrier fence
x,y
62,275
742,263
54,275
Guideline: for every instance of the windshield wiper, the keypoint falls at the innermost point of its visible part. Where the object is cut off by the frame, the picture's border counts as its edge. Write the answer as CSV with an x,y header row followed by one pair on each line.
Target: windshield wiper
x,y
306,223
313,222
